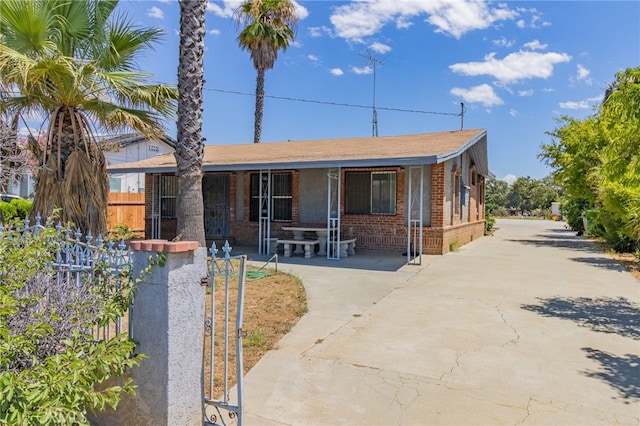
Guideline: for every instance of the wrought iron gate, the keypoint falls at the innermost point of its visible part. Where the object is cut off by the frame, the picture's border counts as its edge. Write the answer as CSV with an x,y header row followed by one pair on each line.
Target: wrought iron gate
x,y
229,269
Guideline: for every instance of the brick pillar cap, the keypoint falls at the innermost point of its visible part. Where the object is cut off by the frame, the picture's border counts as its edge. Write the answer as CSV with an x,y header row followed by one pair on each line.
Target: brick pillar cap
x,y
163,245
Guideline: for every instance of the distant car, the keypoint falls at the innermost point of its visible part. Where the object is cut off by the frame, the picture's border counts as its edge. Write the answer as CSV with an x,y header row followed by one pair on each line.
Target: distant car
x,y
8,197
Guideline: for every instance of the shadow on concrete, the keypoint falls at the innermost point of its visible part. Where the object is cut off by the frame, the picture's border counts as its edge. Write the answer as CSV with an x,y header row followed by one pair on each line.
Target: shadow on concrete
x,y
600,262
604,314
620,372
365,260
560,240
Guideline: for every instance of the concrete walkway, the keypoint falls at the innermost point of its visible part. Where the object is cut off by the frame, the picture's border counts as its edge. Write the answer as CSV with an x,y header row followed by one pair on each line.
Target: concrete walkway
x,y
532,326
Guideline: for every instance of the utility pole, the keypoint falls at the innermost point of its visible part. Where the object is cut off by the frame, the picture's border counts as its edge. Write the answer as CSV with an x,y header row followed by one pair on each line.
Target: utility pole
x,y
375,61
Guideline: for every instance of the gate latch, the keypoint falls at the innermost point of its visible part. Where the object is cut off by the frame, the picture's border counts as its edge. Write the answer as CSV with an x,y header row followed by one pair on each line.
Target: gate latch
x,y
205,281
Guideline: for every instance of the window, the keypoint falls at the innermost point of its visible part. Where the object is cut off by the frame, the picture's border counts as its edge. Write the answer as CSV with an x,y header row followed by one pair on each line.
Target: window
x,y
370,193
281,196
115,184
168,192
457,186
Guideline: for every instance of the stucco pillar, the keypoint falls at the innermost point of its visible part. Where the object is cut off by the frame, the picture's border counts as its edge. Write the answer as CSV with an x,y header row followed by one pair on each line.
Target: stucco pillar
x,y
167,323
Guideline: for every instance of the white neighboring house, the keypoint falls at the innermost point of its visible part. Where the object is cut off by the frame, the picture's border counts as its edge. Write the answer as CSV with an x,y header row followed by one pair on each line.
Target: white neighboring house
x,y
128,148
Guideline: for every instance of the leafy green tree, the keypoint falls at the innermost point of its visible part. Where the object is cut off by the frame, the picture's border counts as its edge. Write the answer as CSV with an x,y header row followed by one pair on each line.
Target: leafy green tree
x,y
75,61
190,145
269,26
596,162
496,196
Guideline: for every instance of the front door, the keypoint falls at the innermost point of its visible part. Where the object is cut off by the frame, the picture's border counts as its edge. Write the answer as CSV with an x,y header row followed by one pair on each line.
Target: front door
x,y
215,194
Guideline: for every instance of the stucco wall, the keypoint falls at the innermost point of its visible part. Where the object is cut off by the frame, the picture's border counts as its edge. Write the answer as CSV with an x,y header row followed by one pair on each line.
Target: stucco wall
x,y
312,206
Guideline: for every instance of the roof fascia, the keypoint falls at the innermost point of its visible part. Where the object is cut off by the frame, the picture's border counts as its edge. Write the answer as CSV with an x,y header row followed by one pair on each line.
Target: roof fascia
x,y
463,148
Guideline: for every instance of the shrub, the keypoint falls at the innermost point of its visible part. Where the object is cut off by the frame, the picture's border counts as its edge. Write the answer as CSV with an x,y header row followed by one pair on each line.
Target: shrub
x,y
49,361
489,222
14,209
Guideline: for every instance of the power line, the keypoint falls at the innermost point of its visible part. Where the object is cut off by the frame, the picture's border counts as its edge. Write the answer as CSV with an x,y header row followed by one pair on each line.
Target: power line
x,y
312,101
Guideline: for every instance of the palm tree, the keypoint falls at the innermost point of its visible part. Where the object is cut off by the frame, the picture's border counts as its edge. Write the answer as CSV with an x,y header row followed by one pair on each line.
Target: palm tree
x,y
190,146
75,62
269,26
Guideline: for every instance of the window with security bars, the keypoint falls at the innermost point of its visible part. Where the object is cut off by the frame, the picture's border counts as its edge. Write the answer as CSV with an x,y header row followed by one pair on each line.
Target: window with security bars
x,y
281,196
168,192
370,193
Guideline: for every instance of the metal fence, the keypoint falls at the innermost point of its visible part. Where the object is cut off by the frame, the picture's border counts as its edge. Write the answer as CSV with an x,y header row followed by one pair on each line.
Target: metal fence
x,y
81,260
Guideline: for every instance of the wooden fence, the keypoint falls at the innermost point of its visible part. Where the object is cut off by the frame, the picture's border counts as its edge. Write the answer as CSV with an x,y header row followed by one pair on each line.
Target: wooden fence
x,y
127,208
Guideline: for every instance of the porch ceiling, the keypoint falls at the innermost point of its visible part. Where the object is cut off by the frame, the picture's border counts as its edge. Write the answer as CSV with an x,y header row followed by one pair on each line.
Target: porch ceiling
x,y
427,148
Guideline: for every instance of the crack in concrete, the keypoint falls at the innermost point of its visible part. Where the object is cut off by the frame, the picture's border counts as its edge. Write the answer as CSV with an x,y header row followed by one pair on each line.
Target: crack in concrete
x,y
528,413
515,332
458,355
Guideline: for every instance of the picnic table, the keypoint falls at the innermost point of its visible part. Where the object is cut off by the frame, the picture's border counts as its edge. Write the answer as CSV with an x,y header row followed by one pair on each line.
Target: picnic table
x,y
298,234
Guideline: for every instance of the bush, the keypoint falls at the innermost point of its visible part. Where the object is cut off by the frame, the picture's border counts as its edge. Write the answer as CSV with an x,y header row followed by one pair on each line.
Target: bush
x,y
15,209
49,360
489,222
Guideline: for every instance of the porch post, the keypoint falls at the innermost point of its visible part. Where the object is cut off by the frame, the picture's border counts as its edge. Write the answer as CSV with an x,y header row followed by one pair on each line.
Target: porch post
x,y
333,213
415,215
264,230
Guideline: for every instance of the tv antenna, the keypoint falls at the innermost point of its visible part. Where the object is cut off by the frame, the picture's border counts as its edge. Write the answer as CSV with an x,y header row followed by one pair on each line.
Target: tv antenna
x,y
374,61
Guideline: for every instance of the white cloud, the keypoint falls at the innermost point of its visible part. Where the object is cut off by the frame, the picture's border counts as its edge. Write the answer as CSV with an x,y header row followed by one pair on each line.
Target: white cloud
x,y
214,32
483,94
313,58
584,104
536,20
155,12
514,67
548,90
357,20
583,75
229,6
362,71
525,92
226,11
336,71
503,42
380,48
320,31
535,45
510,178
513,112
165,1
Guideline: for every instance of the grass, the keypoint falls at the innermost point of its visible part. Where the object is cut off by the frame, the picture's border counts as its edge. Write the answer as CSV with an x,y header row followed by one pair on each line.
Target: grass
x,y
272,307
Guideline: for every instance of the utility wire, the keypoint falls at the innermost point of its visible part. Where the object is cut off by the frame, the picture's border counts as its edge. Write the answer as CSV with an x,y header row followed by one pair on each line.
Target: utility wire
x,y
311,101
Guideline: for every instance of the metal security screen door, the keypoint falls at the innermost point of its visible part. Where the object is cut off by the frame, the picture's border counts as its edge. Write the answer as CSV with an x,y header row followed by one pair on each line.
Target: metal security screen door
x,y
215,194
414,215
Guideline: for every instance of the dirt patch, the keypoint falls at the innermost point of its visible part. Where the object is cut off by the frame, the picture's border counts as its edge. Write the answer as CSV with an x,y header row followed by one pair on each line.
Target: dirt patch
x,y
273,304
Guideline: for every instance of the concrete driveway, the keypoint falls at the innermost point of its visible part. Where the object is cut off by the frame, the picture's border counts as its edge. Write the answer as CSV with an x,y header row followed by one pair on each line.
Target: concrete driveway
x,y
532,326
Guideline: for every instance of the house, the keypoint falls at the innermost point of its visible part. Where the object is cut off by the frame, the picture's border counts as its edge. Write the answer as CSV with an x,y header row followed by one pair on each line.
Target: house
x,y
128,148
117,149
389,193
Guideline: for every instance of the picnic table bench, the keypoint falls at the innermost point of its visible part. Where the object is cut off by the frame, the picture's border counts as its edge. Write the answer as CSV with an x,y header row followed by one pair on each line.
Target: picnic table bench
x,y
309,246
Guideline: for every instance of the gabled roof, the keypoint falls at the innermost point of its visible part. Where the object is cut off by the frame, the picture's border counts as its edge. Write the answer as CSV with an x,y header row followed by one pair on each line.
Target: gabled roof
x,y
406,150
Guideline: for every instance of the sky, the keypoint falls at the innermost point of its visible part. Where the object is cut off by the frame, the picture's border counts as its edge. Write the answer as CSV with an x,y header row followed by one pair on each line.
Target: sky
x,y
517,66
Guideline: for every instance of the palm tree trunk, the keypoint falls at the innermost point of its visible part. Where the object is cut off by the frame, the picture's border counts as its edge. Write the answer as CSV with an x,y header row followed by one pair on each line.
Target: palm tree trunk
x,y
190,144
259,106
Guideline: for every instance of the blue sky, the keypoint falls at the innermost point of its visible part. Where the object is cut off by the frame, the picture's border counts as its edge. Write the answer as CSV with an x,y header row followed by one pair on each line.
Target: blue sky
x,y
517,66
